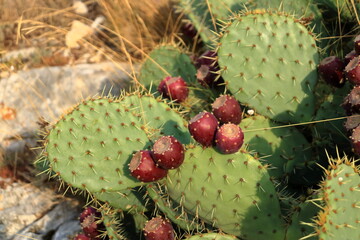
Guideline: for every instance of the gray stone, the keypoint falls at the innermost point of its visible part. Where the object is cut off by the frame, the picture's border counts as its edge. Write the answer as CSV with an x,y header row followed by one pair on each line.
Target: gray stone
x,y
67,230
27,210
49,91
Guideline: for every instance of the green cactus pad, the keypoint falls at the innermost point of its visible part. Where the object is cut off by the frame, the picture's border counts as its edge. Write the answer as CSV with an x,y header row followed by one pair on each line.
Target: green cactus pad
x,y
302,214
166,60
212,236
158,115
231,192
130,200
112,225
284,149
172,210
340,217
90,147
268,61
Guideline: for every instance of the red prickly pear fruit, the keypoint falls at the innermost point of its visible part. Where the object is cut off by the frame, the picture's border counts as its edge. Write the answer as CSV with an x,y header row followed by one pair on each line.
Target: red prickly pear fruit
x,y
87,212
143,167
350,56
229,138
203,127
227,110
168,152
174,88
351,102
355,140
352,71
189,30
207,67
158,229
89,224
351,123
81,236
331,71
357,44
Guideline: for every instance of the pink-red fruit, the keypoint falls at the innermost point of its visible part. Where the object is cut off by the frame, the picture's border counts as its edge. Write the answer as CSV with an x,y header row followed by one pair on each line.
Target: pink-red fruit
x,y
352,71
227,110
229,138
203,127
168,152
143,167
89,222
350,56
355,140
174,88
331,71
158,229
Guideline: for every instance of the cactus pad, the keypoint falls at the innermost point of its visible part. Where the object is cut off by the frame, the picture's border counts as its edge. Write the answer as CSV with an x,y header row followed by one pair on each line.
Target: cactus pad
x,y
166,60
129,200
158,115
212,236
232,192
284,149
268,61
339,218
90,147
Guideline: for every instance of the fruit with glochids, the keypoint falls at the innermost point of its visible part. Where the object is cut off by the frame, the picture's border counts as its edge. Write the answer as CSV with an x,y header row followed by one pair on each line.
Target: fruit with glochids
x,y
227,109
159,229
168,152
203,127
229,138
89,222
174,88
142,166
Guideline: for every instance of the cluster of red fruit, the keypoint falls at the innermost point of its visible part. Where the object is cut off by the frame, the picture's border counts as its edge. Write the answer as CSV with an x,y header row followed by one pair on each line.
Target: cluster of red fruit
x,y
220,127
335,72
89,223
148,166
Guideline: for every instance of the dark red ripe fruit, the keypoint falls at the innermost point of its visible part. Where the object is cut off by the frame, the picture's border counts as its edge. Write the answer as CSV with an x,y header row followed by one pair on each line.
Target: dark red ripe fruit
x,y
174,88
143,167
81,236
87,212
168,152
351,102
352,122
352,71
207,67
331,71
159,229
227,110
229,138
357,44
355,140
89,223
189,30
350,56
203,127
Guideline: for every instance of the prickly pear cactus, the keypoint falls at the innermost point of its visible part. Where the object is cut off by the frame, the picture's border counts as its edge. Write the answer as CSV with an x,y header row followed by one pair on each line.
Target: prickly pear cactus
x,y
231,192
268,61
339,218
158,115
166,60
212,236
284,149
91,146
298,226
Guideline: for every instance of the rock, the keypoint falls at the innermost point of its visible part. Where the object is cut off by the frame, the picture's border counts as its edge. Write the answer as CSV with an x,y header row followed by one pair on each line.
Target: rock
x,y
49,91
32,212
67,230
